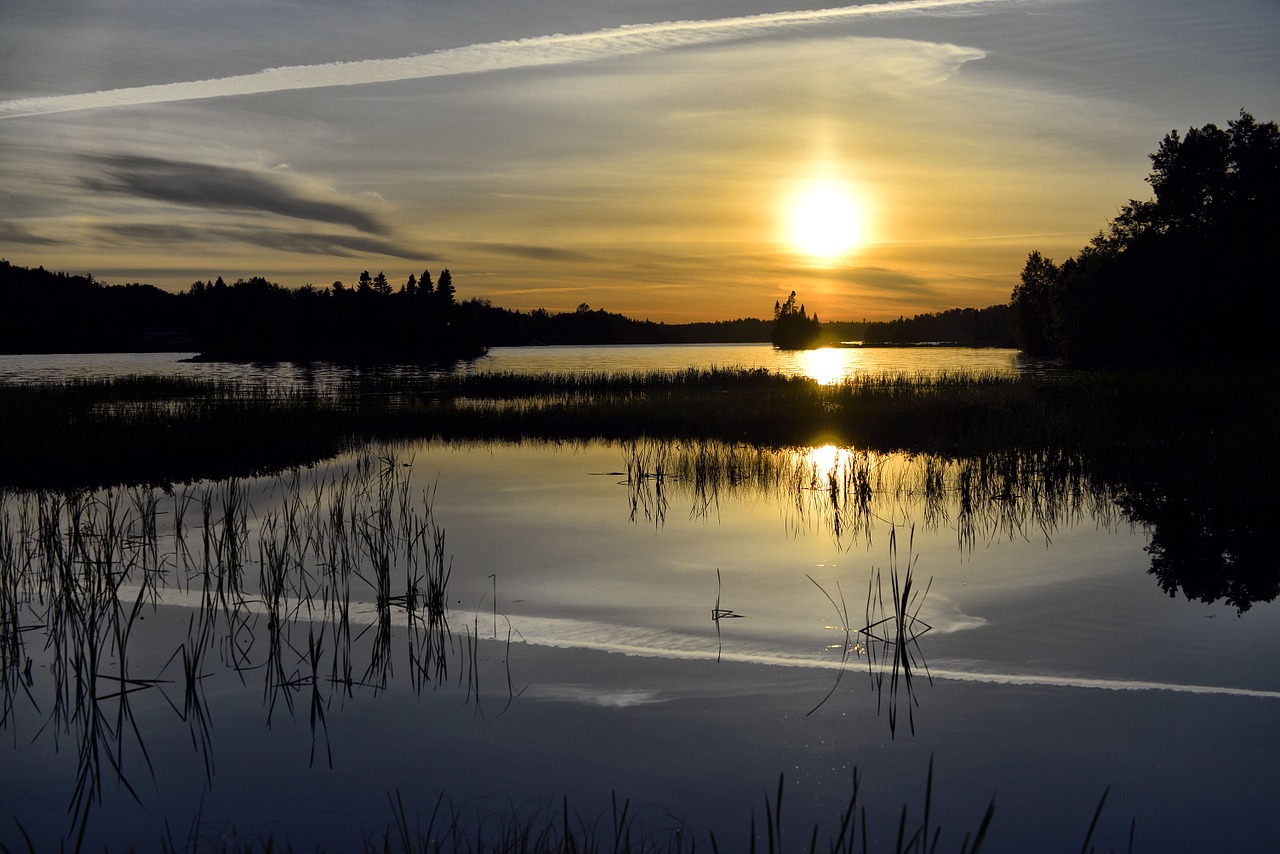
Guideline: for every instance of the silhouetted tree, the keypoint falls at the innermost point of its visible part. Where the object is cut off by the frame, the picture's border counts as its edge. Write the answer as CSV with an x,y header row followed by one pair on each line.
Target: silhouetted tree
x,y
793,329
445,290
1031,306
1185,276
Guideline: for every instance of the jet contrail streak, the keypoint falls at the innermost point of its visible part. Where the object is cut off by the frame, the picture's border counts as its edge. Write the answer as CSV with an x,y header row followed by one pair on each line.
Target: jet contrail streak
x,y
638,642
477,58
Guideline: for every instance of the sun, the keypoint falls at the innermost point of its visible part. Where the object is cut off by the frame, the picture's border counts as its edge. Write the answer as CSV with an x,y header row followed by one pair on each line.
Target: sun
x,y
826,220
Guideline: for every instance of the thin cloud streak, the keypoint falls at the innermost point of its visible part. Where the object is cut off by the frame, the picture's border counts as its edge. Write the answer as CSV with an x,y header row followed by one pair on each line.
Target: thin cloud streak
x,y
298,242
533,52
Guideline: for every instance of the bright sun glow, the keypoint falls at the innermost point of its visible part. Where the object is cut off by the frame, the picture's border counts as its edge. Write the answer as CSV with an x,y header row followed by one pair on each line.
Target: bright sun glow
x,y
826,365
826,221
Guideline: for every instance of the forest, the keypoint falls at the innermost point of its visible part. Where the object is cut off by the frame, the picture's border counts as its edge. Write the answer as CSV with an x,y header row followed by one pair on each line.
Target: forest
x,y
967,327
1185,277
419,319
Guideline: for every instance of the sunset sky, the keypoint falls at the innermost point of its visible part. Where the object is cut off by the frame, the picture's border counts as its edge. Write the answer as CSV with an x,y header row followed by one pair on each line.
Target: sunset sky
x,y
642,156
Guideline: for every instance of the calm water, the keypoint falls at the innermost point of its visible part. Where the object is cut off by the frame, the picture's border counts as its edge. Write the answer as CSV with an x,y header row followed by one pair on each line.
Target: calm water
x,y
676,625
826,365
289,691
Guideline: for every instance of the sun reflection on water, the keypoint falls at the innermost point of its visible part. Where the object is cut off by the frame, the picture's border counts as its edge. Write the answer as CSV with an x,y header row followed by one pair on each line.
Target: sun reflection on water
x,y
827,365
825,460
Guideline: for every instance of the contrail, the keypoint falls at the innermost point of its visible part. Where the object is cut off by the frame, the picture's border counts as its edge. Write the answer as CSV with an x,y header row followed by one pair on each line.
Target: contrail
x,y
639,642
655,643
557,49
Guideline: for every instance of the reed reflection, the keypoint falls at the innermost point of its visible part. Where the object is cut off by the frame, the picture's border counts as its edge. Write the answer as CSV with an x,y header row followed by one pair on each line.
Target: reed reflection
x,y
889,639
1207,530
845,491
351,567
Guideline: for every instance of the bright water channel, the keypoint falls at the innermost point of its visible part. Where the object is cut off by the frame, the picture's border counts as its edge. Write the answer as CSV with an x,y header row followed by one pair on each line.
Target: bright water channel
x,y
679,627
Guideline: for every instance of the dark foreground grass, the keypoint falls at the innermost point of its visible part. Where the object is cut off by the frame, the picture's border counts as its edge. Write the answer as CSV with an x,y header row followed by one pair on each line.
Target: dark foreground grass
x,y
160,430
555,827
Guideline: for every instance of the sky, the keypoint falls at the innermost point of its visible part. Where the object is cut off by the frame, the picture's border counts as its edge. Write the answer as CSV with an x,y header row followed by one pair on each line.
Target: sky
x,y
674,161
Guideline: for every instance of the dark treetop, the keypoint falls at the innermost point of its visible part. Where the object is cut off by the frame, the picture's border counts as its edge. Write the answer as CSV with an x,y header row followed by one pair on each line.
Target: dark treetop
x,y
1185,277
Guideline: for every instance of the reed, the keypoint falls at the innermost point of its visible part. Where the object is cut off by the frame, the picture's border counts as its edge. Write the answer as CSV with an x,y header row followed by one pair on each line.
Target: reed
x,y
164,430
845,491
276,592
554,826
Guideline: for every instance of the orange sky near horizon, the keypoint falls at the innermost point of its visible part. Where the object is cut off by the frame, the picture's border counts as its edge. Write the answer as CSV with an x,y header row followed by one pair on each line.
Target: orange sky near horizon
x,y
648,170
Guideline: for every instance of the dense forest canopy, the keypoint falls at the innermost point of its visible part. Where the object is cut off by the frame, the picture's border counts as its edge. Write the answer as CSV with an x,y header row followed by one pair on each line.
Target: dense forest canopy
x,y
1184,277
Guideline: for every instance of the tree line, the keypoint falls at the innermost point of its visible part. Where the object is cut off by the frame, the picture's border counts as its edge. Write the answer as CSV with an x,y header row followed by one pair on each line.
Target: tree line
x,y
420,319
1184,277
966,327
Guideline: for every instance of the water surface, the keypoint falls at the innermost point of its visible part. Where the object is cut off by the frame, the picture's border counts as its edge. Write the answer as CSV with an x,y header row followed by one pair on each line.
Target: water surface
x,y
826,365
677,625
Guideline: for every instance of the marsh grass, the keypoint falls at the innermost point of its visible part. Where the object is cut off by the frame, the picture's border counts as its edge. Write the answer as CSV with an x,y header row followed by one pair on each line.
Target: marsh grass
x,y
81,433
889,638
554,826
893,633
718,613
273,594
847,492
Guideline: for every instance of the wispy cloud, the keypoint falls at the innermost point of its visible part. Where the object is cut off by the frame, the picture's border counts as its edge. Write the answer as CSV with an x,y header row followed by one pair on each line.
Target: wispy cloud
x,y
534,52
539,253
13,234
209,186
285,240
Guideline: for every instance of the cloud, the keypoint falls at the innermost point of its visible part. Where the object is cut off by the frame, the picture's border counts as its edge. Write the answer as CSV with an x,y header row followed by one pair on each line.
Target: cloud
x,y
300,242
883,277
203,185
559,49
13,234
537,253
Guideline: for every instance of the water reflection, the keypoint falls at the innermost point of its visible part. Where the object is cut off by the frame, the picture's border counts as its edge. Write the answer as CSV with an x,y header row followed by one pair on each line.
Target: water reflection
x,y
845,491
351,578
1206,525
322,590
889,639
826,365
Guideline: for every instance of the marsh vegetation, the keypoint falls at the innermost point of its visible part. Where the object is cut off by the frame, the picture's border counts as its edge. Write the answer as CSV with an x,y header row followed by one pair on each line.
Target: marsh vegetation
x,y
184,559
319,590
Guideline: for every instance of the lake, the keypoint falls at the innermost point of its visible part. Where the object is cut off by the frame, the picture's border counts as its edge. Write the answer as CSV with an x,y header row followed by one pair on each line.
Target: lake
x,y
499,633
826,365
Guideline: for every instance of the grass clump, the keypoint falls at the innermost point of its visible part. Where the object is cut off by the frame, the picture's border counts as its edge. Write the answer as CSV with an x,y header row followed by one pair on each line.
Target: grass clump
x,y
83,433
